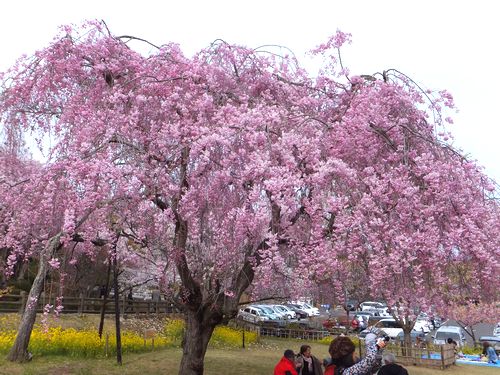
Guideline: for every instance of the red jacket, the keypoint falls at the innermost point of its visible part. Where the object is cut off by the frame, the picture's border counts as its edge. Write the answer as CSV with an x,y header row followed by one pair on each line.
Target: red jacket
x,y
285,367
330,370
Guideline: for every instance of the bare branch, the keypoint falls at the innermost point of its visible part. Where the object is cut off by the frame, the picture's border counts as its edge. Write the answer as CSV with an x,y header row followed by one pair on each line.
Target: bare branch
x,y
130,37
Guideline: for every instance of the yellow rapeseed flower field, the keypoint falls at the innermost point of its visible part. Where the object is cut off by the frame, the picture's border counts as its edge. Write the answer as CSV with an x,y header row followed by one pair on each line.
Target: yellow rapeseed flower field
x,y
86,342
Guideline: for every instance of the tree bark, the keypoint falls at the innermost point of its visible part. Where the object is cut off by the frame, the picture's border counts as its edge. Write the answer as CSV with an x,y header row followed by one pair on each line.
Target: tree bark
x,y
19,351
407,347
104,300
199,329
117,311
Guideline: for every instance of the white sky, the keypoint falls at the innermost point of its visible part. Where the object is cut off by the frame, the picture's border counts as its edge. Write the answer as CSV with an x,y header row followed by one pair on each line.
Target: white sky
x,y
441,44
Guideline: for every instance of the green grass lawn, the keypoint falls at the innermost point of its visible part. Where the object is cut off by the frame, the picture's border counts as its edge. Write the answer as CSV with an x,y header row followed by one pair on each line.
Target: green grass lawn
x,y
257,360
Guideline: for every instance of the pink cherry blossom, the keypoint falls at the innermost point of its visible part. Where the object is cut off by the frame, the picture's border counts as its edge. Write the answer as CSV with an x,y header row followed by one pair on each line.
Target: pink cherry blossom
x,y
234,171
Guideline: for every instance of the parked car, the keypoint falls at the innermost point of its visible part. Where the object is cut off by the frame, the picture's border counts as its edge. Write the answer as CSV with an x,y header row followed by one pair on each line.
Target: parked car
x,y
351,305
370,305
445,332
496,330
380,307
390,326
373,314
289,313
422,325
332,323
311,311
437,321
252,314
364,319
493,340
278,312
269,312
301,314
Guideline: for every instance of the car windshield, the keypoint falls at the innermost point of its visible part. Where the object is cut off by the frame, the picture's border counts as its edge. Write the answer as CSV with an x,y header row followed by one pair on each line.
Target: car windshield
x,y
266,309
390,324
445,335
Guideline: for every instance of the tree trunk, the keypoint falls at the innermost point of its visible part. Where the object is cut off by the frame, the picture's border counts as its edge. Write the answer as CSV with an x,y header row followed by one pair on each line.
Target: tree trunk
x,y
407,342
117,311
19,351
469,330
199,329
104,300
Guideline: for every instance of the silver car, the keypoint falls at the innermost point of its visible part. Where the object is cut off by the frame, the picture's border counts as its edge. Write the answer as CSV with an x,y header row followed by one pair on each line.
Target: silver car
x,y
252,314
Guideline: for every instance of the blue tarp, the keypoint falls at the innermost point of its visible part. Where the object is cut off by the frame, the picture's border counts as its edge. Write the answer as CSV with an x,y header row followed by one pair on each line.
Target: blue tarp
x,y
468,360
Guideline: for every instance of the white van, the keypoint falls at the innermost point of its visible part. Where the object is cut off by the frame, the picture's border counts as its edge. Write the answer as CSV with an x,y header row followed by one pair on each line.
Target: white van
x,y
443,333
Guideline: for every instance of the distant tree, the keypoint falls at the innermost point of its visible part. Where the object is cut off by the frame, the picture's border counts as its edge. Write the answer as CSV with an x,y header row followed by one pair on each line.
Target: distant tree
x,y
468,314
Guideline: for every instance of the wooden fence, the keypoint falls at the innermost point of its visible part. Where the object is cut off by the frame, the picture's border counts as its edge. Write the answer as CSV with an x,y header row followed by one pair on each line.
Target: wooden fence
x,y
268,330
84,305
425,357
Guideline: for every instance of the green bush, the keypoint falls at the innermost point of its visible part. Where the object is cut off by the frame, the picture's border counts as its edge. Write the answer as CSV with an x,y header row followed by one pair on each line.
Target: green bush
x,y
471,350
174,330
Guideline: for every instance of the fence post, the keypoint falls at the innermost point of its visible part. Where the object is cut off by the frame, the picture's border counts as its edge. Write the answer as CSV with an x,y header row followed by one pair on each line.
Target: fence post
x,y
80,308
442,357
107,343
243,338
23,302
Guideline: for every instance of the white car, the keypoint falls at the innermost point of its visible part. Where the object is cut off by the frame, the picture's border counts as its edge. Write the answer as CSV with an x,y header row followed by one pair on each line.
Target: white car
x,y
390,327
273,310
444,333
289,314
375,306
252,314
496,330
422,325
269,312
311,311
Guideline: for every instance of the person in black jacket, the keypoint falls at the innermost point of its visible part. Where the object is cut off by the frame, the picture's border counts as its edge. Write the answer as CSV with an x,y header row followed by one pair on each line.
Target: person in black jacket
x,y
306,363
390,367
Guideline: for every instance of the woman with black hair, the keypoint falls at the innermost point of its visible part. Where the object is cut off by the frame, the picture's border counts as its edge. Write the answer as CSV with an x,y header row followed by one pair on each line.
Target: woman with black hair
x,y
306,363
344,360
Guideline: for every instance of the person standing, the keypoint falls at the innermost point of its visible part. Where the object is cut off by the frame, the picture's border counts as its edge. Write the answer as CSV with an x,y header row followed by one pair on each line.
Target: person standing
x,y
344,361
390,366
306,363
355,324
452,342
286,365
